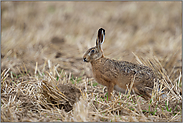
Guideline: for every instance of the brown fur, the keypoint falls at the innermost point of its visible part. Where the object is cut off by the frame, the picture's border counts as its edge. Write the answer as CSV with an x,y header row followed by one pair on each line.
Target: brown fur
x,y
117,74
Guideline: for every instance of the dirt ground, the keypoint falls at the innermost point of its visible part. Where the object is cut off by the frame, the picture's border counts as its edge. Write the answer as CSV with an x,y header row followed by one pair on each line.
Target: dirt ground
x,y
44,78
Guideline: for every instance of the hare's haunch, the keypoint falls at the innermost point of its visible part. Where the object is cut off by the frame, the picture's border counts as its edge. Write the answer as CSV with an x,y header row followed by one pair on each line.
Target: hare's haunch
x,y
117,74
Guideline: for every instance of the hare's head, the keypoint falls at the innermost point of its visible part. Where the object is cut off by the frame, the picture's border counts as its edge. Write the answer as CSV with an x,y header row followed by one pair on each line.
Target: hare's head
x,y
96,52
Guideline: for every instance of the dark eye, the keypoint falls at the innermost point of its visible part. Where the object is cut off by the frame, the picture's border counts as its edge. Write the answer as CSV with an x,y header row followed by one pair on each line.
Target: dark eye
x,y
92,51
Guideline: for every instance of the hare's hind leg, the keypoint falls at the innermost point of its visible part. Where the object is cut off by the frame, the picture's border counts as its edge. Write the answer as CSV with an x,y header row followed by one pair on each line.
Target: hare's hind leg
x,y
142,92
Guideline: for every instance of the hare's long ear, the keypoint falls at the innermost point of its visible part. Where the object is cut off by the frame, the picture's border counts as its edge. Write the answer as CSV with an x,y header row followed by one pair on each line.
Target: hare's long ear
x,y
100,38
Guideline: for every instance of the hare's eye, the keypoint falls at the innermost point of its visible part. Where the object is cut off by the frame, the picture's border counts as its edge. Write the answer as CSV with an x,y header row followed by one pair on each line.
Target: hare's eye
x,y
92,51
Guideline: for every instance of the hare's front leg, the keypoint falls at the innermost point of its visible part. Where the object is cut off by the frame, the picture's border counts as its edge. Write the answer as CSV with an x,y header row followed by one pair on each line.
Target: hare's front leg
x,y
110,88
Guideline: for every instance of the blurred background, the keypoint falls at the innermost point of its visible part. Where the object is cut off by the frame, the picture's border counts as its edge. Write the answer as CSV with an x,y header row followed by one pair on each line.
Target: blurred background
x,y
62,31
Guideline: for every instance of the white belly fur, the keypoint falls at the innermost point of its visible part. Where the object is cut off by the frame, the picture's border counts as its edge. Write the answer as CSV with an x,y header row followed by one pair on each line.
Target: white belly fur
x,y
117,88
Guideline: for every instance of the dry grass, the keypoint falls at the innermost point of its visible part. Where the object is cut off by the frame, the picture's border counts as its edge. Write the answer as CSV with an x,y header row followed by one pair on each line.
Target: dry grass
x,y
43,77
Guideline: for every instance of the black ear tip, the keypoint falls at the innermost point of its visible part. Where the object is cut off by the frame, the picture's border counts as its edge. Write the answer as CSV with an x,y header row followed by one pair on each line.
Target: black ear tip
x,y
100,31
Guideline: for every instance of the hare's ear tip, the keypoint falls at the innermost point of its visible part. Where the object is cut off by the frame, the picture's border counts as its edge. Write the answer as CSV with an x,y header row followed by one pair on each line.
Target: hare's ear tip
x,y
101,29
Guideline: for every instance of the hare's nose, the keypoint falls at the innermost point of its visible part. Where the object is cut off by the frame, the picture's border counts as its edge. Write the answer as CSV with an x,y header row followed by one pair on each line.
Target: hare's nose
x,y
84,59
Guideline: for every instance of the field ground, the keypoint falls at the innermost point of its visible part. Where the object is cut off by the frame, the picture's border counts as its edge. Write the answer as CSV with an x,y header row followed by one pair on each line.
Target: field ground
x,y
43,76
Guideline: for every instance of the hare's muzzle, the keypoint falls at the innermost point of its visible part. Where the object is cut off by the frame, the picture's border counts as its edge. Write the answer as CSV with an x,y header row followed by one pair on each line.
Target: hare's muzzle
x,y
84,59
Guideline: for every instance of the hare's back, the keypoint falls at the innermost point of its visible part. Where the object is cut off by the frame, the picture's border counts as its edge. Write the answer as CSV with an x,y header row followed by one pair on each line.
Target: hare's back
x,y
142,73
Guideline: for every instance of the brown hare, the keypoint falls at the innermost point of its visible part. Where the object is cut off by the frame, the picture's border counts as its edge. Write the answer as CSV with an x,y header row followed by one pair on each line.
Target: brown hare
x,y
117,74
